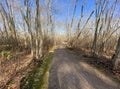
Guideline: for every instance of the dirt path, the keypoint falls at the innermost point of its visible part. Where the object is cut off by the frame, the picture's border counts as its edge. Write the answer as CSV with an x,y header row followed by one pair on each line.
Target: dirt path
x,y
67,72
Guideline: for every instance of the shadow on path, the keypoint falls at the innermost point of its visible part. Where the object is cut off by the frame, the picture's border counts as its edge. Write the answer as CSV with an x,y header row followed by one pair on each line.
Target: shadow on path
x,y
67,72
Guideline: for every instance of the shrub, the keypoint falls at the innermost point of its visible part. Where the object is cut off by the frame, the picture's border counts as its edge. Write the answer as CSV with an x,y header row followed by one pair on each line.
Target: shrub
x,y
6,55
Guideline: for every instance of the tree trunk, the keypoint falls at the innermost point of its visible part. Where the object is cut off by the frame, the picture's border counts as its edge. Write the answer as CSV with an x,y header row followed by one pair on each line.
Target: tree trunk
x,y
40,48
32,46
116,59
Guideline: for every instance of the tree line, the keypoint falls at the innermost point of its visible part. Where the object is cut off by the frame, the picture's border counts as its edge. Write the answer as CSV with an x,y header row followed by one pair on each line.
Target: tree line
x,y
99,35
27,25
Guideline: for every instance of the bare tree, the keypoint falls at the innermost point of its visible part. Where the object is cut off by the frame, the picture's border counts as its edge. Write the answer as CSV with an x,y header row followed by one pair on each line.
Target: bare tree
x,y
27,17
39,38
70,25
116,59
98,14
80,30
9,18
103,25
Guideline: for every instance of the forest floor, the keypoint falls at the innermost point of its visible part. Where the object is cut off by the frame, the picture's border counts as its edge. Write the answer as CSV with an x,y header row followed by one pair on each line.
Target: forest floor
x,y
11,72
70,71
21,72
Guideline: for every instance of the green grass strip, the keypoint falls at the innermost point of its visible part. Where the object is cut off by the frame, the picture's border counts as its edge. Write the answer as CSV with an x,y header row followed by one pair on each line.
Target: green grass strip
x,y
38,78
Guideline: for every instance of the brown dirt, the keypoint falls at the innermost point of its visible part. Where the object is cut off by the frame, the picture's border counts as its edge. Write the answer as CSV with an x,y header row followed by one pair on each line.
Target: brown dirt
x,y
13,70
69,72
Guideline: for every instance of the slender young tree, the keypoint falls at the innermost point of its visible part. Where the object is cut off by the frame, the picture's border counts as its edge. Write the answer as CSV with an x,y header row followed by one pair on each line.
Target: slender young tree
x,y
27,17
39,38
116,59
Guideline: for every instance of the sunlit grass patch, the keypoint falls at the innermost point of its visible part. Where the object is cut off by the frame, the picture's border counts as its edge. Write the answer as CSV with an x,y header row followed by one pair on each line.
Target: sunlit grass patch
x,y
52,49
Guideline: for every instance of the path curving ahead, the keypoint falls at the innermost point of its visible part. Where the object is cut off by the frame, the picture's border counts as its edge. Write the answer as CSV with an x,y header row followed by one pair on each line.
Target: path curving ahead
x,y
68,72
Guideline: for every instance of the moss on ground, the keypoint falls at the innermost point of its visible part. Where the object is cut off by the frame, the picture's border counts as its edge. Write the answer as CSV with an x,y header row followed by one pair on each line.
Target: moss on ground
x,y
38,78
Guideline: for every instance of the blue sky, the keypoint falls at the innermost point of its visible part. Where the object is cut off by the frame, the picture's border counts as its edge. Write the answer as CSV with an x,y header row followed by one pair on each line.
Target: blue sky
x,y
62,15
89,6
65,3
